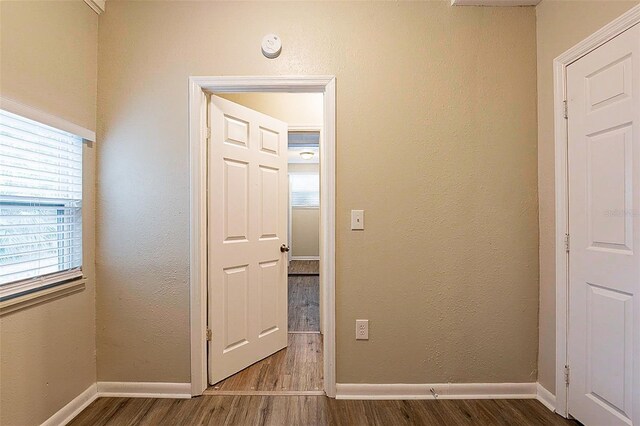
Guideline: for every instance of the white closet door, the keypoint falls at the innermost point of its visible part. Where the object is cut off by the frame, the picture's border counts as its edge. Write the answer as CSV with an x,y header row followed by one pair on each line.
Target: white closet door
x,y
604,227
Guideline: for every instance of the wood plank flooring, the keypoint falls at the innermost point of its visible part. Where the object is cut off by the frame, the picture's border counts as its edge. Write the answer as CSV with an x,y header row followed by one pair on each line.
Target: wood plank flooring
x,y
304,303
313,410
304,267
295,368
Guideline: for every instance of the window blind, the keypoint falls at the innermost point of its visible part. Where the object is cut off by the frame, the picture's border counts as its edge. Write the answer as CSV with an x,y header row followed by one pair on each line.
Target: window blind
x,y
40,199
305,190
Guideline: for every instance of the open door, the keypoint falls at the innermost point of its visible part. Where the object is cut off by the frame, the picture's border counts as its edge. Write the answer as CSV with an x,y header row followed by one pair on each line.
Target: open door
x,y
248,207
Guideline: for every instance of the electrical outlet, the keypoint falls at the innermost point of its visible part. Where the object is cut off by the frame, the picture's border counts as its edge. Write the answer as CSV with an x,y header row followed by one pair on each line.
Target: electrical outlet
x,y
362,329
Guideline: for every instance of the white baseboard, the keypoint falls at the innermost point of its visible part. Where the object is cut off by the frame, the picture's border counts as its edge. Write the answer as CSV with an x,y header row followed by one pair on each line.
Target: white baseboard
x,y
144,390
73,408
305,257
545,397
117,389
442,390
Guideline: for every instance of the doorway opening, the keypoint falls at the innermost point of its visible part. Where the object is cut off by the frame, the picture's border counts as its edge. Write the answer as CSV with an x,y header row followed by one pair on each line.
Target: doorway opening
x,y
304,229
268,367
298,247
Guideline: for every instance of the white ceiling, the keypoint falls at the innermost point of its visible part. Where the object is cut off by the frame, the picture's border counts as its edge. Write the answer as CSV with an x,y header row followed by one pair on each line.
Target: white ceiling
x,y
300,141
495,2
294,155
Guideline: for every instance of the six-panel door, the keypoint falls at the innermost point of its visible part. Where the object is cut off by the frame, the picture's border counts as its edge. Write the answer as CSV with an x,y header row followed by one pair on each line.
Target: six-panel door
x,y
248,192
603,90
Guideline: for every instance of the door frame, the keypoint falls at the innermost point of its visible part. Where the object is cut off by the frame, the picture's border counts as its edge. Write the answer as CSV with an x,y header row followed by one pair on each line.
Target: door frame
x,y
560,64
199,87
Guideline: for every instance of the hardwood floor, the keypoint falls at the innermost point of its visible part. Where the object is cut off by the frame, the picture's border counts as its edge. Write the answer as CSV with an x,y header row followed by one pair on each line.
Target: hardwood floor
x,y
304,303
304,267
313,410
295,368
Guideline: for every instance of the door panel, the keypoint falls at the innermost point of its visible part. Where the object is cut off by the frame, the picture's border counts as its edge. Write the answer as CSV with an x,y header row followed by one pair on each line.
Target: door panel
x,y
603,90
609,181
269,211
235,300
236,131
609,325
269,296
236,200
247,225
609,84
269,141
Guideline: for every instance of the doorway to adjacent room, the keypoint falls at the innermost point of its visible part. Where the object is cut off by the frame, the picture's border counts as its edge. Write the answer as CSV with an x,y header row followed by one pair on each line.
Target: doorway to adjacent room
x,y
266,240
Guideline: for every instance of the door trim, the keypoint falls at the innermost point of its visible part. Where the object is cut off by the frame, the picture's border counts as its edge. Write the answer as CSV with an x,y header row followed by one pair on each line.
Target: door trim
x,y
198,89
560,64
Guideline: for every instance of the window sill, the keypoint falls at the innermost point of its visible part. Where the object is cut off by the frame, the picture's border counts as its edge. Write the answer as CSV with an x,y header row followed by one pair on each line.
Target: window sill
x,y
41,296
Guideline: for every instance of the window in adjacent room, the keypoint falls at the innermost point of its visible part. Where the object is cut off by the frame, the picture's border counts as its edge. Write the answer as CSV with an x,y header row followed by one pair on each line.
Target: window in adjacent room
x,y
304,180
305,190
40,204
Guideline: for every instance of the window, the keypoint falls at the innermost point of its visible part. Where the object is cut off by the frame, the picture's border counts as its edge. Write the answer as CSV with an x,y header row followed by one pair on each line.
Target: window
x,y
305,190
40,203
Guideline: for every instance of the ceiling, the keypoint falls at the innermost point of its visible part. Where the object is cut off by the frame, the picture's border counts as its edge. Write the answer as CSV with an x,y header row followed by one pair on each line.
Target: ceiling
x,y
301,141
295,158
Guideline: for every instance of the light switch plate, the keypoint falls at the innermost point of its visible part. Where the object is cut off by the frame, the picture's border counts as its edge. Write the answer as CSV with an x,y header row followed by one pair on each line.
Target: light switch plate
x,y
357,220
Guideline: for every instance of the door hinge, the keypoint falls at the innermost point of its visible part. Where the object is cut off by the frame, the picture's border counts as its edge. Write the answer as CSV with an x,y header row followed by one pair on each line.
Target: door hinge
x,y
566,109
209,334
567,371
566,242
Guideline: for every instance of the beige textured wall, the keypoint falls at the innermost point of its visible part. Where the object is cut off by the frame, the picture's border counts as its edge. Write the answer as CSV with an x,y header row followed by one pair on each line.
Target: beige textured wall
x,y
560,25
294,108
436,134
305,232
48,59
48,52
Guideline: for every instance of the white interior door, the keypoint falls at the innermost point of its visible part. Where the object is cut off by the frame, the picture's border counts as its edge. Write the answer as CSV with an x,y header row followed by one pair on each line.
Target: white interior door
x,y
603,90
247,225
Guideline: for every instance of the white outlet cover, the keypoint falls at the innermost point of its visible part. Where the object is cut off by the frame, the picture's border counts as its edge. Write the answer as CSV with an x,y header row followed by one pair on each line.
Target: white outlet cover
x,y
362,329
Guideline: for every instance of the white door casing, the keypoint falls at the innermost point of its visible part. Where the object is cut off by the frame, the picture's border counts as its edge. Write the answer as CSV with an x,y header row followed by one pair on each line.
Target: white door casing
x,y
603,347
247,275
199,88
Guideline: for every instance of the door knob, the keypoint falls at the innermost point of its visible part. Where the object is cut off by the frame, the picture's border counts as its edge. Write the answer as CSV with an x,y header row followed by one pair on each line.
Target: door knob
x,y
284,248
